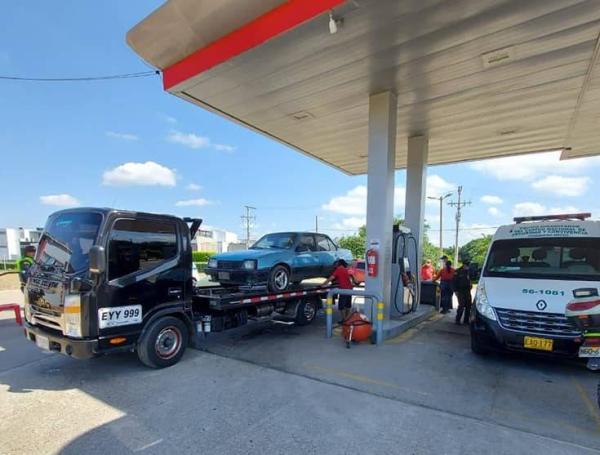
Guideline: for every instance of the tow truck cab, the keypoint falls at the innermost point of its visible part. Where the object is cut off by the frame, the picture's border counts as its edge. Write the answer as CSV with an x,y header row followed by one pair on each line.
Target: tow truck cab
x,y
529,275
108,280
101,276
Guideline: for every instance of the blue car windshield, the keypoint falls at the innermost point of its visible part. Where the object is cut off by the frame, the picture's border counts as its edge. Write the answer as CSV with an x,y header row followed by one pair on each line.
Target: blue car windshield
x,y
283,241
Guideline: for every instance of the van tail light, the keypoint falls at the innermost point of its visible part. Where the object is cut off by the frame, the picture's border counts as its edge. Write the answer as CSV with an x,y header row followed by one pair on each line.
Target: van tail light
x,y
583,306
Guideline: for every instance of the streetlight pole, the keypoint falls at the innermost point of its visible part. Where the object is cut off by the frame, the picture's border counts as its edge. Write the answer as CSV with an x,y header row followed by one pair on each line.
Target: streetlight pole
x,y
441,200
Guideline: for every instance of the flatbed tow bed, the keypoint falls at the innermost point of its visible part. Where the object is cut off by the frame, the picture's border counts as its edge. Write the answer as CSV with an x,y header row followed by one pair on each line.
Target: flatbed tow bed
x,y
218,308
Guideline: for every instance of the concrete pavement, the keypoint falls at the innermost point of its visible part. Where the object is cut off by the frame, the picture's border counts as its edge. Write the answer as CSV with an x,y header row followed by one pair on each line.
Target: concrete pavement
x,y
421,393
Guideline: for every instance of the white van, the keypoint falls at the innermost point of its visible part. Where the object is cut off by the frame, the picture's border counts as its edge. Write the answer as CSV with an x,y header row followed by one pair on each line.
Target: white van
x,y
529,274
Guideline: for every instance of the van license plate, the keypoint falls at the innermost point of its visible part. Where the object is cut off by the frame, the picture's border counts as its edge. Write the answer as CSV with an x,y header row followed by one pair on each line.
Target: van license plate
x,y
224,275
589,351
541,344
42,342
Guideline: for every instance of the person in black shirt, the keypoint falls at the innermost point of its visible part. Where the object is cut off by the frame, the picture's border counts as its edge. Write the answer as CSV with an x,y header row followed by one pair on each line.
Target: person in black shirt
x,y
462,288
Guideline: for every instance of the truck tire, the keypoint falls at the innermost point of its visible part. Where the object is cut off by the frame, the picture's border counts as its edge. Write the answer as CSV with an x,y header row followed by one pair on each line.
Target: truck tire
x,y
163,343
306,312
279,278
478,347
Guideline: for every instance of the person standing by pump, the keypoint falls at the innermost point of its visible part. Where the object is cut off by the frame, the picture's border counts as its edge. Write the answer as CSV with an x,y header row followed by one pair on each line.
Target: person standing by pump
x,y
446,277
427,271
341,279
462,287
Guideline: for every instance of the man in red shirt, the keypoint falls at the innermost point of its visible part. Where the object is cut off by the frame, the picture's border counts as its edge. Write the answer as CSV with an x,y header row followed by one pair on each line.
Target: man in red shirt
x,y
341,279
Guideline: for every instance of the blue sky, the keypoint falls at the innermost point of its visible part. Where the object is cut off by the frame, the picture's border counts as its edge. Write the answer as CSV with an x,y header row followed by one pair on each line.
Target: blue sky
x,y
128,144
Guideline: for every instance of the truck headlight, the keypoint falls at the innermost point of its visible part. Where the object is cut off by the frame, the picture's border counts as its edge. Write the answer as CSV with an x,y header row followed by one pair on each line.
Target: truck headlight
x,y
72,315
482,304
212,263
249,265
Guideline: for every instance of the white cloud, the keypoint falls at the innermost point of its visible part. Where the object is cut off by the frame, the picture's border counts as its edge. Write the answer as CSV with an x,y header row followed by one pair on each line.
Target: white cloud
x,y
169,119
59,200
224,147
494,211
140,174
437,186
491,200
354,202
201,202
193,187
529,209
352,222
529,167
123,136
562,186
194,141
189,140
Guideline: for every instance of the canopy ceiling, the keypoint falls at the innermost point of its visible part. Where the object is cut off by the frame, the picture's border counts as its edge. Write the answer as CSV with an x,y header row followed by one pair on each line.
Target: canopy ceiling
x,y
481,78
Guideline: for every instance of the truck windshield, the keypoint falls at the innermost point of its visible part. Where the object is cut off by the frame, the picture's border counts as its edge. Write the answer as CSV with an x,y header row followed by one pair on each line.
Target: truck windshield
x,y
545,258
67,239
281,241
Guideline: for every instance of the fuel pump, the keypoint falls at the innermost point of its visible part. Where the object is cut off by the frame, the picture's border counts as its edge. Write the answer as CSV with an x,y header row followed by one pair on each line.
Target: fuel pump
x,y
405,276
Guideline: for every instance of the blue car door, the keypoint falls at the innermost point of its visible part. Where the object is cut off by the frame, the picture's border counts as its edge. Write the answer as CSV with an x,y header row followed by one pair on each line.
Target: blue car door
x,y
327,254
305,263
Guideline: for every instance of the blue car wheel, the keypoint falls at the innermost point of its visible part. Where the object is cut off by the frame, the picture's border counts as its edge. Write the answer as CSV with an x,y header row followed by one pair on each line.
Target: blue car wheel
x,y
279,278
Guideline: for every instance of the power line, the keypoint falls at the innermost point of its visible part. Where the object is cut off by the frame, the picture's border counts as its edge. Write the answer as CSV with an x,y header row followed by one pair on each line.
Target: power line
x,y
248,219
459,205
81,79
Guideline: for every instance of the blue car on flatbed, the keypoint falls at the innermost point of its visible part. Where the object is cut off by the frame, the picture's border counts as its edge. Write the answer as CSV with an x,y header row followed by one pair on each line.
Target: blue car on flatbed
x,y
278,260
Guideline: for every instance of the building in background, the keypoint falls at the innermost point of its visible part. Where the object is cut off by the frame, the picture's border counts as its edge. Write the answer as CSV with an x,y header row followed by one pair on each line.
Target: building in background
x,y
213,240
14,240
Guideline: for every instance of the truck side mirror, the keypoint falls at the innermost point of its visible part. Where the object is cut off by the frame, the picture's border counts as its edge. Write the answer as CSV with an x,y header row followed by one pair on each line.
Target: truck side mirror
x,y
97,260
80,285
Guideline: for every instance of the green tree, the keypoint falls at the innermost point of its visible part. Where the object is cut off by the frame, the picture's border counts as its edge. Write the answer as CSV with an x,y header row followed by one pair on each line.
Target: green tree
x,y
354,243
476,249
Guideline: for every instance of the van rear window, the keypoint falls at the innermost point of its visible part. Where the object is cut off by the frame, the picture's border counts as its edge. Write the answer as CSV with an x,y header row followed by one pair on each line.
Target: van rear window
x,y
550,258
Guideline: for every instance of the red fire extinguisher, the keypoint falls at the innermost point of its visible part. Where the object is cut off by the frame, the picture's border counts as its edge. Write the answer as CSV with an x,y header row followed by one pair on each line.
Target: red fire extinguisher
x,y
372,259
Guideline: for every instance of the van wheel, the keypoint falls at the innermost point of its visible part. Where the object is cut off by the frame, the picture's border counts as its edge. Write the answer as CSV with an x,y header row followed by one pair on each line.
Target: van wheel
x,y
164,342
306,313
478,347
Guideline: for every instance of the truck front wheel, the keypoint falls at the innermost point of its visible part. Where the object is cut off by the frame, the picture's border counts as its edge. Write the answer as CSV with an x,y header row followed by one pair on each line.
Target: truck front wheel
x,y
163,343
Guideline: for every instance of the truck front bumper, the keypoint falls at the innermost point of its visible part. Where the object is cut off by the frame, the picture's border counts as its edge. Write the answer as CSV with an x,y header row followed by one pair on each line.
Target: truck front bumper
x,y
493,336
78,349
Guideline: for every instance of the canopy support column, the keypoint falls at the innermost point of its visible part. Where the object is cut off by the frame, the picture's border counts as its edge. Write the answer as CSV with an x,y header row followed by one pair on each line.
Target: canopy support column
x,y
380,193
416,189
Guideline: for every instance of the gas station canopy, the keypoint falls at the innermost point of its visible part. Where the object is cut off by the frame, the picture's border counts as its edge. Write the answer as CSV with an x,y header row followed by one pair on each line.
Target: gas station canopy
x,y
480,78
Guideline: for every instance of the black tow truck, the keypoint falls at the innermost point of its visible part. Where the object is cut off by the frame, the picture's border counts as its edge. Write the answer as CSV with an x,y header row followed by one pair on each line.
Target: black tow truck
x,y
107,280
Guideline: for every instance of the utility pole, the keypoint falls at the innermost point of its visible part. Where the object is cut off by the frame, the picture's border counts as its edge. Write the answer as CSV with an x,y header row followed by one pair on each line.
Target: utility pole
x,y
248,219
441,200
316,223
459,205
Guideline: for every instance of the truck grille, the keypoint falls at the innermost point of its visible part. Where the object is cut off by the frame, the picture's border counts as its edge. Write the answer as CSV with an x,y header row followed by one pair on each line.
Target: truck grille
x,y
51,322
232,265
550,324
